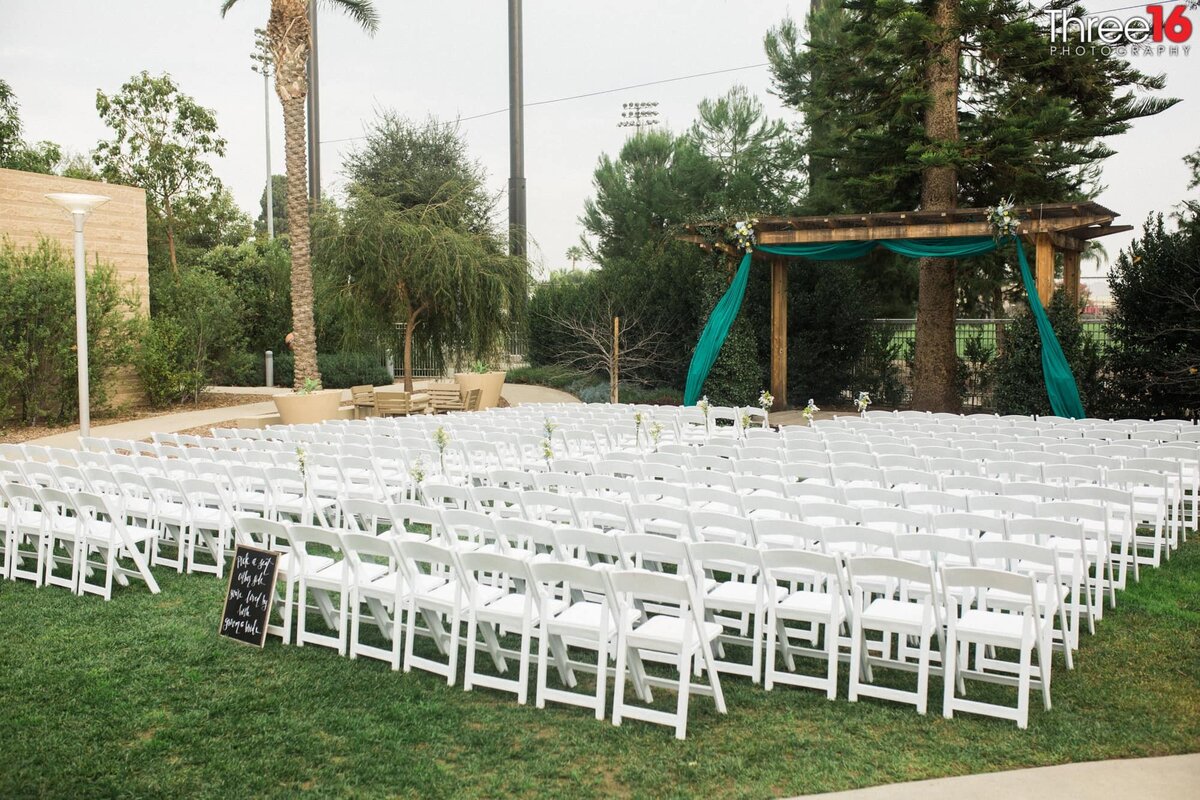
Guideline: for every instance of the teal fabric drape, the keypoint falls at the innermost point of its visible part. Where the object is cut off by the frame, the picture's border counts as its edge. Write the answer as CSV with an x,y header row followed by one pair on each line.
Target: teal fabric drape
x,y
1060,383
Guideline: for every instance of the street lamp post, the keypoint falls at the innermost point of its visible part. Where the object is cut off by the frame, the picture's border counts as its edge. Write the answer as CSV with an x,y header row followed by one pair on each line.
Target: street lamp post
x,y
79,206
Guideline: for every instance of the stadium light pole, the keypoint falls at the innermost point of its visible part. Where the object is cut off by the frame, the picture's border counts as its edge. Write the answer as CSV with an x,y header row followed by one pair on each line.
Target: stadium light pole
x,y
263,64
79,206
516,134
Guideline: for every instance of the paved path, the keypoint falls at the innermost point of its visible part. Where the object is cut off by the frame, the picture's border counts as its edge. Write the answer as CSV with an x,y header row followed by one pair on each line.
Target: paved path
x,y
1166,778
164,423
518,394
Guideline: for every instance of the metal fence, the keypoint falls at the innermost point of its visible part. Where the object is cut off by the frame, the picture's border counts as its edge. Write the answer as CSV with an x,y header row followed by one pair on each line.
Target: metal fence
x,y
428,360
977,342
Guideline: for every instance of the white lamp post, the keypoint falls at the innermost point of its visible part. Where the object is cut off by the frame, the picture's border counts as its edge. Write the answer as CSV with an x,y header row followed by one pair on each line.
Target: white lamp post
x,y
79,206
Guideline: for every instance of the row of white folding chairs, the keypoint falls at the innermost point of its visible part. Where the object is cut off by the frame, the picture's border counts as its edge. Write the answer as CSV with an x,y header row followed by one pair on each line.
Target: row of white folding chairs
x,y
54,537
1158,432
560,596
1013,420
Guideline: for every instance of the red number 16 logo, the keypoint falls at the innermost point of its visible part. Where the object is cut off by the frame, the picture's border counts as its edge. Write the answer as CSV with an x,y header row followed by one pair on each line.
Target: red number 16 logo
x,y
1176,27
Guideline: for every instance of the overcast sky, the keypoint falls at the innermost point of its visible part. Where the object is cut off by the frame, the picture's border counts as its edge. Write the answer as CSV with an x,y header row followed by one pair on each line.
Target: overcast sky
x,y
449,58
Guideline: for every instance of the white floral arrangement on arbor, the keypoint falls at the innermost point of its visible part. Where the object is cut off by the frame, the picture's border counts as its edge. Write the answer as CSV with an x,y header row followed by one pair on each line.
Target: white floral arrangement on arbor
x,y
1003,219
742,235
808,411
862,402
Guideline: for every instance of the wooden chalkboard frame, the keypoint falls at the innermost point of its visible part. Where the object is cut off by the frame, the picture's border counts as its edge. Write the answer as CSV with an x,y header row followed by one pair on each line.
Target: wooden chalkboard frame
x,y
227,609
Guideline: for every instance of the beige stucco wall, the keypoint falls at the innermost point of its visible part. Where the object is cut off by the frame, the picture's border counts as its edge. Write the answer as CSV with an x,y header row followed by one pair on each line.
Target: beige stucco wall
x,y
114,233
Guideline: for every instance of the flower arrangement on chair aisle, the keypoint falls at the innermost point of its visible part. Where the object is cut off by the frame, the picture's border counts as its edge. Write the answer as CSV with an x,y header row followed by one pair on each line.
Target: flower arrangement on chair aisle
x,y
441,438
417,473
703,406
547,452
863,402
1003,219
765,401
656,430
638,419
808,411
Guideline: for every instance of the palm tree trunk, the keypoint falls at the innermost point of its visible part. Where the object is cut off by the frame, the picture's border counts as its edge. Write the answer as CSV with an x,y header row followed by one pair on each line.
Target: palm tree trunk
x,y
934,385
305,342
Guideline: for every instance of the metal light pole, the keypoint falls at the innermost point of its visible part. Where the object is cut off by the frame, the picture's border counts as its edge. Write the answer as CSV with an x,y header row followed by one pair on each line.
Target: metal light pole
x,y
638,115
314,112
263,64
79,206
516,134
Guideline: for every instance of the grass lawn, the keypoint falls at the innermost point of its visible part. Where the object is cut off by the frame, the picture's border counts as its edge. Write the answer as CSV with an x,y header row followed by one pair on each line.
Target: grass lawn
x,y
138,697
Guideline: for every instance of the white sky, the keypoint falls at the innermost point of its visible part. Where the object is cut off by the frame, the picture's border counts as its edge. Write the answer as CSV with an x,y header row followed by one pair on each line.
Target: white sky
x,y
449,58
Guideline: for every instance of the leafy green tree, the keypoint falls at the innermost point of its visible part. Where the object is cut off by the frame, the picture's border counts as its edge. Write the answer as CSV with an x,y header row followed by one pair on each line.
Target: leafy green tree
x,y
414,164
419,267
258,272
161,141
289,38
898,127
1154,326
10,123
202,221
278,203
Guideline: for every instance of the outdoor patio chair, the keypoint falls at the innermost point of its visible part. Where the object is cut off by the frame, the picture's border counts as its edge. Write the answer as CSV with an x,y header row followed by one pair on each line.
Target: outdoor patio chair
x,y
445,397
400,404
363,399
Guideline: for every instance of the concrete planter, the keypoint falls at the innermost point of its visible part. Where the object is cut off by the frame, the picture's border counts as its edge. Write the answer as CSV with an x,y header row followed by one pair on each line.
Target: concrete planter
x,y
489,384
301,409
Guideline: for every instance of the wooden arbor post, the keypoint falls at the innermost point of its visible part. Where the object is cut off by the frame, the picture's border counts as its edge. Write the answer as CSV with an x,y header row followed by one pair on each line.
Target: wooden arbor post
x,y
1047,245
1044,268
779,310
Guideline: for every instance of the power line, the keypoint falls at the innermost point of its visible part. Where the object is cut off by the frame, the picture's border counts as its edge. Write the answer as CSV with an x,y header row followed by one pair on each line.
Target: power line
x,y
586,94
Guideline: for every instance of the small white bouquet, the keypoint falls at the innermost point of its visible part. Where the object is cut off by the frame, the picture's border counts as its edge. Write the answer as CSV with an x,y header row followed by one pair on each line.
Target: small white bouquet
x,y
862,402
808,411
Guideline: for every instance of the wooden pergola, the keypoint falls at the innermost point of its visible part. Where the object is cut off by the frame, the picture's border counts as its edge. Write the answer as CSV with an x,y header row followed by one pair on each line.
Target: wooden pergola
x,y
1048,229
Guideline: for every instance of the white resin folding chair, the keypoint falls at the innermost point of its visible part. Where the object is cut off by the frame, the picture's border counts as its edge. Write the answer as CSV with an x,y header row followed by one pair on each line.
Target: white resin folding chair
x,y
817,599
210,525
735,590
602,513
320,577
1078,559
498,598
25,533
1118,507
683,637
719,526
104,532
550,507
268,534
1052,587
663,520
375,581
575,606
434,593
62,538
908,607
1019,627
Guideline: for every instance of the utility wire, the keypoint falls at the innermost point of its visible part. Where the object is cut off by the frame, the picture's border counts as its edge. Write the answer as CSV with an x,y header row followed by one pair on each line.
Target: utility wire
x,y
586,94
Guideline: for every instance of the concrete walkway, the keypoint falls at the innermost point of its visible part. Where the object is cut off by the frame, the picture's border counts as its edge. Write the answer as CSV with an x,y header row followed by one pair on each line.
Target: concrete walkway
x,y
1166,778
164,423
519,394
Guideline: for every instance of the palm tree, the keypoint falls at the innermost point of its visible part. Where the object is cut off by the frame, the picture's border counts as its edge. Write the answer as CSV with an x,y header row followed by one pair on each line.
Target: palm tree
x,y
575,254
289,38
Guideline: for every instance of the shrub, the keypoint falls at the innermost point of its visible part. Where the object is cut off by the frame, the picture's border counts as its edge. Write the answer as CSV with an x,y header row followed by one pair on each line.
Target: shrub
x,y
207,315
829,329
338,370
1020,386
1153,329
878,372
260,273
38,366
165,366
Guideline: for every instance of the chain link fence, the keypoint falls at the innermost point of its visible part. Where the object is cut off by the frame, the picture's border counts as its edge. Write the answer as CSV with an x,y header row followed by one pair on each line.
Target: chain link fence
x,y
977,341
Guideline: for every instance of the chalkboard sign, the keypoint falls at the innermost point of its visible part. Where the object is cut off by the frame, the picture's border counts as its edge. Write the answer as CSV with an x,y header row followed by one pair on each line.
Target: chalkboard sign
x,y
249,595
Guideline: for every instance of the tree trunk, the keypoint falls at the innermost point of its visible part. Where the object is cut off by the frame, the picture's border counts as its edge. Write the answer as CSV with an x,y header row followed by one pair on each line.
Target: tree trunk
x,y
408,341
170,215
289,32
305,343
935,385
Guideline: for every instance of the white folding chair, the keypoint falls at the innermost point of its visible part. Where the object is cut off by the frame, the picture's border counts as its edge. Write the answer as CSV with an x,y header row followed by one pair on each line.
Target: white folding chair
x,y
320,577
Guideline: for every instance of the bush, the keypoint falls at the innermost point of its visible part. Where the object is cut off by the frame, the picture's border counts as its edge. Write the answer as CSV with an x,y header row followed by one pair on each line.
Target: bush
x,y
338,370
829,330
38,365
260,274
1020,386
1153,330
163,364
878,372
207,338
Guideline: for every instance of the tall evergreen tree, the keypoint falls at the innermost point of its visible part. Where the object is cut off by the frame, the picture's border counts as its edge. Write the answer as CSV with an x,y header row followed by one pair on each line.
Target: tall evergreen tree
x,y
933,102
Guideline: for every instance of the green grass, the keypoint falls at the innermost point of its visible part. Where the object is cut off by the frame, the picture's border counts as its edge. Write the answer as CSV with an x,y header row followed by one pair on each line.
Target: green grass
x,y
138,697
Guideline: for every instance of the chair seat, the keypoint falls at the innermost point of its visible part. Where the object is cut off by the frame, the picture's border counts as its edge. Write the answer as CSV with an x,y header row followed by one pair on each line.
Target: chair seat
x,y
665,633
803,601
587,616
739,593
991,624
891,613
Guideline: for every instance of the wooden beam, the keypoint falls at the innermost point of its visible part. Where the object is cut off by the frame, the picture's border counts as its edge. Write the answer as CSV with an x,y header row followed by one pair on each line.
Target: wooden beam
x,y
1066,243
779,278
1102,230
918,230
1044,272
1071,275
